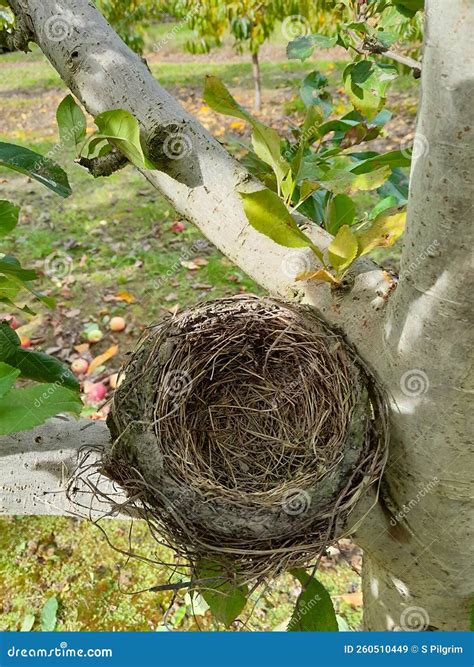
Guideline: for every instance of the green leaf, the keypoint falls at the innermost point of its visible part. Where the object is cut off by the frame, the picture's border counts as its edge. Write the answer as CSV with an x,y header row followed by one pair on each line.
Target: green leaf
x,y
342,624
8,216
8,375
314,611
218,98
266,141
409,7
71,122
9,341
48,615
267,214
10,266
43,368
302,47
28,622
383,231
36,166
392,159
342,181
8,288
342,250
396,186
33,364
383,205
123,130
225,599
312,91
342,211
23,409
366,83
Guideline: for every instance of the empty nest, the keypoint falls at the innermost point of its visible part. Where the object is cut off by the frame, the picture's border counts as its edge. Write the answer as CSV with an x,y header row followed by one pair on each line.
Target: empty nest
x,y
243,431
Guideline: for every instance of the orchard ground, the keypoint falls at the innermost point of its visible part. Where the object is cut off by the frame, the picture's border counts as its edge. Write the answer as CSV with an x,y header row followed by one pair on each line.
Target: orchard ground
x,y
115,247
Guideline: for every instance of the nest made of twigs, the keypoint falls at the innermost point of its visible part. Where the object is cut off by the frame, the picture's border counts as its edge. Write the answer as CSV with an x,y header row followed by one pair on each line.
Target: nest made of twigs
x,y
244,430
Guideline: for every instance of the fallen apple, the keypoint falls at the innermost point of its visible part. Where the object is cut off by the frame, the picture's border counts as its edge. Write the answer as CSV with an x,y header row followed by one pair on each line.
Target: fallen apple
x,y
117,324
79,366
94,335
25,342
177,227
11,319
97,392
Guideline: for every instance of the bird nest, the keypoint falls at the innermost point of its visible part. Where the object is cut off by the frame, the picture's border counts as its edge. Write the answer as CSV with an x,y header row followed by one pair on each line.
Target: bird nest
x,y
243,431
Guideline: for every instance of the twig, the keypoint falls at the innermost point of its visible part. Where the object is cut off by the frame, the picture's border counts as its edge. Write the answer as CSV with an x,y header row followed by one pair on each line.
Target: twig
x,y
104,165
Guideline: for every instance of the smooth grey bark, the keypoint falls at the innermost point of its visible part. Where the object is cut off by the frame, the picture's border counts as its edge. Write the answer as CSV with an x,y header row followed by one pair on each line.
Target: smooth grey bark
x,y
416,338
37,465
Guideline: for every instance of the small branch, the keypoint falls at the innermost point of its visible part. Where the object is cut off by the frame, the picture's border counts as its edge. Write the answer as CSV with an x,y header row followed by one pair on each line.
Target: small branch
x,y
104,165
373,46
415,65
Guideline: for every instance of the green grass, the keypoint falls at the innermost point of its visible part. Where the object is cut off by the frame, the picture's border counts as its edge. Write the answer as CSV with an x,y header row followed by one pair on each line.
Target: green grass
x,y
42,557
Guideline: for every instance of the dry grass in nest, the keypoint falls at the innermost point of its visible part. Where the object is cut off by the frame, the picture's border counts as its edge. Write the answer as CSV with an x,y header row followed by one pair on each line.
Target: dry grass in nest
x,y
243,431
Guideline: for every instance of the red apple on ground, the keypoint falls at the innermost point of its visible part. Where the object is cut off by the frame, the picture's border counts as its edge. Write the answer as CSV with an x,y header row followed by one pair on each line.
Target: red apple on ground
x,y
117,324
177,227
11,319
25,342
79,366
97,392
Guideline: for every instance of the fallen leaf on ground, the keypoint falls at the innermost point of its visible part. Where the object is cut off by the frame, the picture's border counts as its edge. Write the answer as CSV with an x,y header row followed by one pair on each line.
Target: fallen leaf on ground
x,y
123,295
82,348
102,358
354,599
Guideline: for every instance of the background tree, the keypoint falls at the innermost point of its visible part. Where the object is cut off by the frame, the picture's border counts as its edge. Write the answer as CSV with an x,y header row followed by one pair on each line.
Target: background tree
x,y
249,22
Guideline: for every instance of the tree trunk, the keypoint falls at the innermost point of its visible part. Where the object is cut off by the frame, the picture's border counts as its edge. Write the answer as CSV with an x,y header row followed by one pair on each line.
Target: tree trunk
x,y
417,565
415,538
257,85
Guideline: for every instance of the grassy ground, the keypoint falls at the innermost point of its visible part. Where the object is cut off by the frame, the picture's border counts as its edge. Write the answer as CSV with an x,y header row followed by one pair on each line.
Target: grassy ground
x,y
114,248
